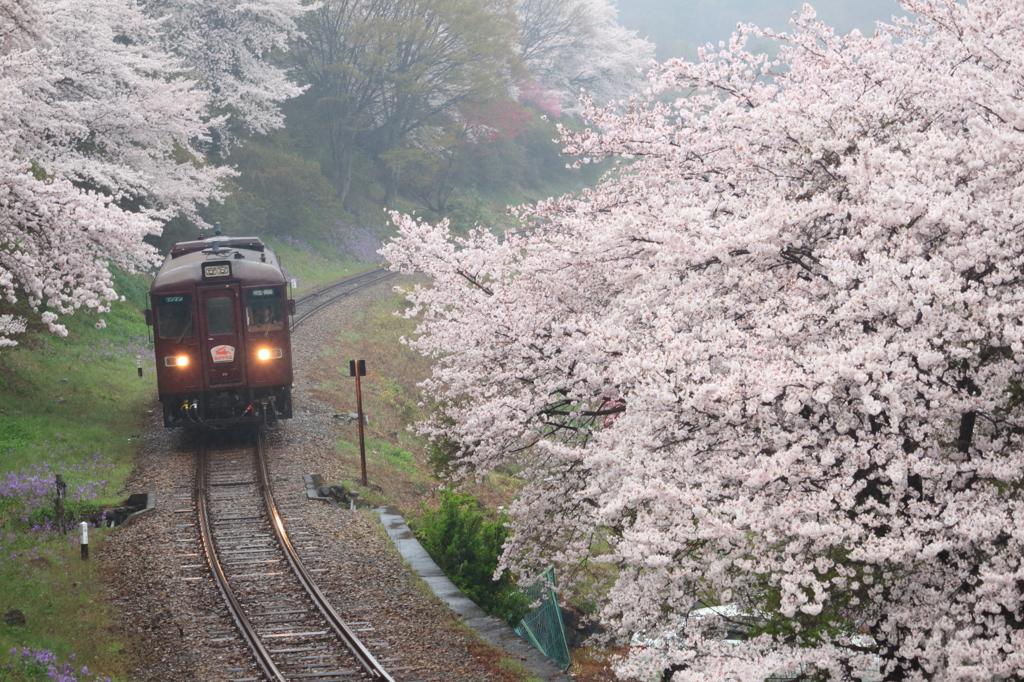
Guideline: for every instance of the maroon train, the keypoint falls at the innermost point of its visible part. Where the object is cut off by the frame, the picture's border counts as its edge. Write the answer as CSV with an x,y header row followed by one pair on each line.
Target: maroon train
x,y
220,311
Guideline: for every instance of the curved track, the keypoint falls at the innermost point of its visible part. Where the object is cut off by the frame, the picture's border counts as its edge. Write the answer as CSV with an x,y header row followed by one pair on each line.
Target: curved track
x,y
311,304
293,632
291,628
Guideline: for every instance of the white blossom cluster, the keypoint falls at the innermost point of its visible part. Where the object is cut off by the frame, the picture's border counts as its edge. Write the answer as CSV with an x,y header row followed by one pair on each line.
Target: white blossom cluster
x,y
776,361
574,45
101,139
86,122
226,44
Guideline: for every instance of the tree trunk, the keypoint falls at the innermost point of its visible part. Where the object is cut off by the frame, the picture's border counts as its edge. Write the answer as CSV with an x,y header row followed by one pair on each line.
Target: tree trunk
x,y
345,180
390,187
341,158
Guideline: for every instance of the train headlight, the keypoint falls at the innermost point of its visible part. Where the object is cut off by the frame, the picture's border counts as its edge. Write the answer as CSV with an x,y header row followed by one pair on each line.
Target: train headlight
x,y
176,361
269,353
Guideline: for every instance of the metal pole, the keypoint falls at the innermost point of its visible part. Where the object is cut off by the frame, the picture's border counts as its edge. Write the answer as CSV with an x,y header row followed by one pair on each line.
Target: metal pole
x,y
58,505
359,411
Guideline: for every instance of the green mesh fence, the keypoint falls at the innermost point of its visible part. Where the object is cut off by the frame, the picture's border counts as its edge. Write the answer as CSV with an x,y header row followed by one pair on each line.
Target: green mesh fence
x,y
543,625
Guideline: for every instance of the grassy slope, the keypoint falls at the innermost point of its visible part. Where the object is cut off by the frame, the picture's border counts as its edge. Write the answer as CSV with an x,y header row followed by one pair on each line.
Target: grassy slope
x,y
310,269
66,404
397,466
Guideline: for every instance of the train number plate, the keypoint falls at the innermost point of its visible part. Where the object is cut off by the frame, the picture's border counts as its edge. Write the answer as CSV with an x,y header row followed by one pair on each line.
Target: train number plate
x,y
223,353
216,270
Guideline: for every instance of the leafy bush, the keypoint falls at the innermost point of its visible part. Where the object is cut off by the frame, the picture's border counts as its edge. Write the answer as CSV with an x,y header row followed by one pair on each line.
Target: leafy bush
x,y
466,545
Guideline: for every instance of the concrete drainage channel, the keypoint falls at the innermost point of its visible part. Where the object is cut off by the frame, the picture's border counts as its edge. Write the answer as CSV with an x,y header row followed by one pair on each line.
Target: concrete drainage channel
x,y
491,629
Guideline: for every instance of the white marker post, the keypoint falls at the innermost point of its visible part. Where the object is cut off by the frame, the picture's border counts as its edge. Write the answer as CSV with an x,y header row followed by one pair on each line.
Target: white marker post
x,y
85,540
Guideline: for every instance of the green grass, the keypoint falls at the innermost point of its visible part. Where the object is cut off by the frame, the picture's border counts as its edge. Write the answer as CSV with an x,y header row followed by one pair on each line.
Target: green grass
x,y
62,598
86,384
73,404
312,269
396,457
380,454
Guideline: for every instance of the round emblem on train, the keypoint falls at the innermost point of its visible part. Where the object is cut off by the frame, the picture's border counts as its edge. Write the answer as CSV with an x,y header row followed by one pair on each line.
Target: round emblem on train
x,y
220,316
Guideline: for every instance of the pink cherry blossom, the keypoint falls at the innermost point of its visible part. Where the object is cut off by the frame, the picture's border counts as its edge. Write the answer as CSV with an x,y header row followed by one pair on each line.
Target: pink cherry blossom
x,y
226,44
800,295
569,45
100,143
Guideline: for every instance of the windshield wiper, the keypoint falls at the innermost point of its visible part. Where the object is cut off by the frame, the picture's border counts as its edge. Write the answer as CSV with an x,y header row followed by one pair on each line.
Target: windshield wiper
x,y
188,328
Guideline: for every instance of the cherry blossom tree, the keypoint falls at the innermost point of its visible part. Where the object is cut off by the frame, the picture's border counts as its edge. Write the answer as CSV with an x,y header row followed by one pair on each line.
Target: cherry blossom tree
x,y
19,21
775,361
569,45
113,115
97,148
227,45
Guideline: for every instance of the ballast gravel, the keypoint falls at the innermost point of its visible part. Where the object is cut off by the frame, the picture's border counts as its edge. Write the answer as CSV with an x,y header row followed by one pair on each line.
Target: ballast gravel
x,y
170,611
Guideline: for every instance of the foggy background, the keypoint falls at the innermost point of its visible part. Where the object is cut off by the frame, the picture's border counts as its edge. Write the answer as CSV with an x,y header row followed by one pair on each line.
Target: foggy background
x,y
677,27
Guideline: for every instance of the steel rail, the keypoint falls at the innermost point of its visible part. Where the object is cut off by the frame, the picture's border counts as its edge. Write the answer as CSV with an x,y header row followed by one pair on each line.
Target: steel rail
x,y
237,613
371,667
340,283
358,649
361,281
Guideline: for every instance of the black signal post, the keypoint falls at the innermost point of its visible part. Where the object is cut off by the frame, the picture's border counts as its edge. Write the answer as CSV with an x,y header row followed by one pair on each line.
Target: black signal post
x,y
358,369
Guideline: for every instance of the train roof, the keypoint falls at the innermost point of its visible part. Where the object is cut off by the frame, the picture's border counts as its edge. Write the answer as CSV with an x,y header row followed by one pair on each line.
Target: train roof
x,y
251,261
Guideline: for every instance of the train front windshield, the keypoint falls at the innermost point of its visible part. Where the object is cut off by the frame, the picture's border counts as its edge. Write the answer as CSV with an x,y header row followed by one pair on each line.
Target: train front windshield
x,y
220,316
174,316
263,309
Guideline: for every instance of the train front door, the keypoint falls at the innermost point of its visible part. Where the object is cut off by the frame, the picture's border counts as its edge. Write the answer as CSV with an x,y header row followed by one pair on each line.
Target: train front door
x,y
223,351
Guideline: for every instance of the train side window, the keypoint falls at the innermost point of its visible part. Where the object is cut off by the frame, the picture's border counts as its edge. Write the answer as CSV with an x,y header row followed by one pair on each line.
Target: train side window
x,y
174,317
263,309
220,316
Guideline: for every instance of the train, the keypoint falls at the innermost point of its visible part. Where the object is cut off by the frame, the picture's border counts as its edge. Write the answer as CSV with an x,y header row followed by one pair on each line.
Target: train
x,y
220,309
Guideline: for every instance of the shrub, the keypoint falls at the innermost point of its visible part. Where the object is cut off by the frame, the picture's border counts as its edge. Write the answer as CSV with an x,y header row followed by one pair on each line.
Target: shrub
x,y
466,545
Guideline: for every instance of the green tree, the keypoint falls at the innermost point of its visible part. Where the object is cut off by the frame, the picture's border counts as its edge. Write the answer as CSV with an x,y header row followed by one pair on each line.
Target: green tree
x,y
449,153
281,192
378,71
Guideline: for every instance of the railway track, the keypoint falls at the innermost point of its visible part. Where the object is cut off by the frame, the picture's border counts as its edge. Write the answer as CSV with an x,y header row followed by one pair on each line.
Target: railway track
x,y
312,303
284,619
292,630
